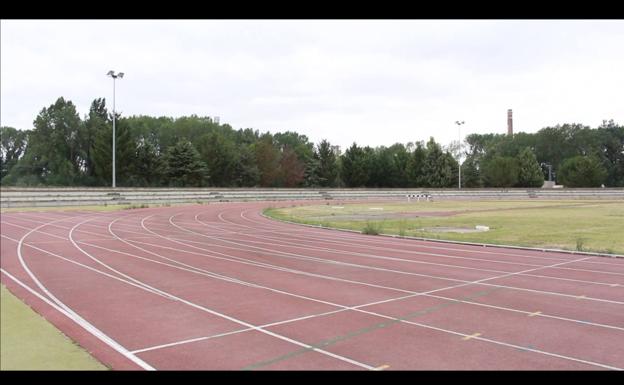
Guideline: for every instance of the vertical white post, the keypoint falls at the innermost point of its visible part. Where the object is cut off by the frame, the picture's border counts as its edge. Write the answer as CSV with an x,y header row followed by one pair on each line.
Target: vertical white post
x,y
114,184
459,130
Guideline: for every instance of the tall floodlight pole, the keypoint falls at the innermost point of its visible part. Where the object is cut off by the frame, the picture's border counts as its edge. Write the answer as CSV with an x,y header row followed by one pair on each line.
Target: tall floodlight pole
x,y
118,75
460,141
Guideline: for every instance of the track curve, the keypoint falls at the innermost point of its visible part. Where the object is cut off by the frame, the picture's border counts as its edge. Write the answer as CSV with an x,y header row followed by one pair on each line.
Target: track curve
x,y
220,286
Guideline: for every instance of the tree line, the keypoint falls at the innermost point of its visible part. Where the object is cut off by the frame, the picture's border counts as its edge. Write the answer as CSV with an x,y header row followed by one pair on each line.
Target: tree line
x,y
64,149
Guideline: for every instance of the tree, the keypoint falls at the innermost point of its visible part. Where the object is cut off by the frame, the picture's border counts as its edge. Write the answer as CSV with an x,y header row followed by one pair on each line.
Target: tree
x,y
125,152
327,170
354,169
415,165
184,167
529,171
438,168
612,152
311,176
471,174
267,158
582,171
53,155
95,123
12,146
219,155
246,172
291,168
501,172
148,167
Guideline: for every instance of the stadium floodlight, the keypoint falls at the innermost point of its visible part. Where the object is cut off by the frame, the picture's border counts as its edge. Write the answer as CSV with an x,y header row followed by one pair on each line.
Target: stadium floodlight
x,y
459,155
120,75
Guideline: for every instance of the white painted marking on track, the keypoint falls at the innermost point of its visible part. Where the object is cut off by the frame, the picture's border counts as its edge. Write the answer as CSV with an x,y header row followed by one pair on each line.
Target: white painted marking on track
x,y
492,278
72,314
468,337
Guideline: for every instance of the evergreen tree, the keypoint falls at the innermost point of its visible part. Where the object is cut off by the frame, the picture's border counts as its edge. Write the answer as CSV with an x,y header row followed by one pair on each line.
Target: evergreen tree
x,y
529,171
501,172
438,168
327,170
415,166
219,155
246,172
354,167
471,174
184,167
96,122
582,171
148,167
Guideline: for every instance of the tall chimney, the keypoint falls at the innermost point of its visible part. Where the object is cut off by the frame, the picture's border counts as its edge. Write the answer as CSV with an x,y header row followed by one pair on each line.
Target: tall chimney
x,y
509,123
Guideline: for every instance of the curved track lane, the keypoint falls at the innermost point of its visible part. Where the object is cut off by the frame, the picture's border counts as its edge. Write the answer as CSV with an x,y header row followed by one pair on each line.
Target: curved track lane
x,y
220,286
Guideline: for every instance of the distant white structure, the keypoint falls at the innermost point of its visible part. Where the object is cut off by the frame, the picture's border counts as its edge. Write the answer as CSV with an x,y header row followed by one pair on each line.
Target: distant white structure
x,y
418,196
216,119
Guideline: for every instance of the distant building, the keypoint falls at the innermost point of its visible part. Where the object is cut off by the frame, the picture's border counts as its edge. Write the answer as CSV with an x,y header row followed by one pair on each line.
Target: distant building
x,y
509,123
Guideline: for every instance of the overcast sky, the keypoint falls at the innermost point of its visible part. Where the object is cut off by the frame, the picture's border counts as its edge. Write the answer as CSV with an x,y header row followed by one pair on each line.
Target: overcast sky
x,y
373,82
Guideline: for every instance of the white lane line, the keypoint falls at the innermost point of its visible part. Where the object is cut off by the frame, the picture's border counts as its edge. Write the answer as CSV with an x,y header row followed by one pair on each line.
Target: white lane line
x,y
67,314
489,340
210,254
188,341
77,318
413,261
241,322
83,265
187,241
612,285
166,295
325,240
501,343
512,273
321,260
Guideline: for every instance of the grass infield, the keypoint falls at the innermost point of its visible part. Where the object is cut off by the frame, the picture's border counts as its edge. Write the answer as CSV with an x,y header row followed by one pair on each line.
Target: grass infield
x,y
29,342
581,225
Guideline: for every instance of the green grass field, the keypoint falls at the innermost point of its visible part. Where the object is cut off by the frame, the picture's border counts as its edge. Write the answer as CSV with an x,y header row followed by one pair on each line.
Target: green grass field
x,y
29,342
582,225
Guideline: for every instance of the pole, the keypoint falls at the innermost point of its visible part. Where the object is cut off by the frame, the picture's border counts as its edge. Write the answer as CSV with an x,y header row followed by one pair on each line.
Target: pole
x,y
459,154
114,184
459,130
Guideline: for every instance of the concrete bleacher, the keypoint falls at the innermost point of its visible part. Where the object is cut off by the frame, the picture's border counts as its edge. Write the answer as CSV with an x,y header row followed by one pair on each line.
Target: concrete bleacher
x,y
41,197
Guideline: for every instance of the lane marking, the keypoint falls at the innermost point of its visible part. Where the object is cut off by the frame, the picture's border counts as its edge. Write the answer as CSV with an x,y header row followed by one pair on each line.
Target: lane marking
x,y
334,262
534,314
71,313
471,336
382,367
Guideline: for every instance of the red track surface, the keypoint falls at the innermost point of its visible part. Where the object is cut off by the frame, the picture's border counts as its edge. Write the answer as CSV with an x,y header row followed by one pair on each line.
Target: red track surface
x,y
221,287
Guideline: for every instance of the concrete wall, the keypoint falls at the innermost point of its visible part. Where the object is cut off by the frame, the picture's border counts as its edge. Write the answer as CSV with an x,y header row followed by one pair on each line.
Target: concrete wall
x,y
40,197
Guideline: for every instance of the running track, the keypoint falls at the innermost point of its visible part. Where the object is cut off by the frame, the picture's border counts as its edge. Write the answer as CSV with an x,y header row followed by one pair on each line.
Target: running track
x,y
220,286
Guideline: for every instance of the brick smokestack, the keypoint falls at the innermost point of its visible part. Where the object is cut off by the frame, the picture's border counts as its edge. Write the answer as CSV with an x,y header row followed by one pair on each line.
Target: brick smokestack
x,y
509,123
